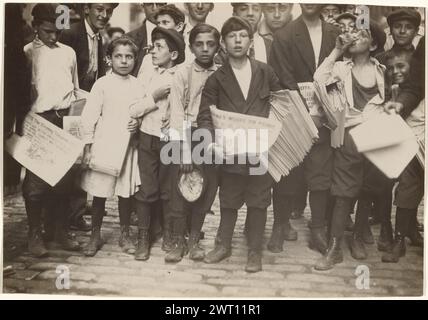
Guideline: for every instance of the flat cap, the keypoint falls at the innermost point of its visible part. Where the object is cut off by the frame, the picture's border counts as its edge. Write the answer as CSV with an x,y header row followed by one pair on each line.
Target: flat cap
x,y
404,14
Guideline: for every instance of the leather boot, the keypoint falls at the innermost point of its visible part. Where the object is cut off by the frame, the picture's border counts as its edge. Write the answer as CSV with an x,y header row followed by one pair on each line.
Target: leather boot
x,y
167,241
125,241
333,256
384,243
196,252
358,250
276,239
219,253
398,250
142,252
62,236
95,243
178,250
35,243
413,234
290,234
254,261
319,240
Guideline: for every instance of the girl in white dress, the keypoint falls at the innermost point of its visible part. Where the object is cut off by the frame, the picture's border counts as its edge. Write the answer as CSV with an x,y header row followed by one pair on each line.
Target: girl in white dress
x,y
110,158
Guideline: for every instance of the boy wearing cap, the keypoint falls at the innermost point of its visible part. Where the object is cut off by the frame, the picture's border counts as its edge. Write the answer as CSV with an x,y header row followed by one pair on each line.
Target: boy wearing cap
x,y
185,98
53,84
363,76
167,52
297,50
241,85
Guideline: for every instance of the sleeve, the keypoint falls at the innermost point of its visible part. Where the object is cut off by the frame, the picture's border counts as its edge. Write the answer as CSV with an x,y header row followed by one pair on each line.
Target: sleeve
x,y
143,105
281,61
177,101
92,112
209,97
74,74
274,84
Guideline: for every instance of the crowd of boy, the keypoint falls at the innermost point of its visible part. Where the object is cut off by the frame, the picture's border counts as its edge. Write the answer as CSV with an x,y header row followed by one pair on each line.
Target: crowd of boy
x,y
185,66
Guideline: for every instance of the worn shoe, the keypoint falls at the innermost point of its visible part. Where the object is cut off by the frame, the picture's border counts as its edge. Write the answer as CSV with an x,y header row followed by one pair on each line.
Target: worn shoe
x,y
95,243
66,241
196,252
413,234
385,241
358,250
167,241
35,243
80,224
319,240
178,251
290,234
142,252
125,241
219,253
276,239
254,261
398,250
333,256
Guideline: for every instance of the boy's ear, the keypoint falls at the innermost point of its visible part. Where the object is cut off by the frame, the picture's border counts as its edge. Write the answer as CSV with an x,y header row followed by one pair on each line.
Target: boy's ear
x,y
174,55
179,27
373,46
222,45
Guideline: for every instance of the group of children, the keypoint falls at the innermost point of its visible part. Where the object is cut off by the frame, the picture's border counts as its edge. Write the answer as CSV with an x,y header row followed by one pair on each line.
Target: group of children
x,y
144,103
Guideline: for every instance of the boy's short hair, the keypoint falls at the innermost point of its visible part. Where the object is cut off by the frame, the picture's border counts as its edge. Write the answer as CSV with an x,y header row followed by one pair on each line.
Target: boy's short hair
x,y
236,24
397,52
114,5
172,11
173,39
112,30
204,28
404,14
45,12
122,41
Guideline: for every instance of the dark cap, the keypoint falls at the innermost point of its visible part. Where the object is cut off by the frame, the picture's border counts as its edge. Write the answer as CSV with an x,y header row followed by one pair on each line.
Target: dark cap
x,y
45,12
174,36
346,15
231,24
404,14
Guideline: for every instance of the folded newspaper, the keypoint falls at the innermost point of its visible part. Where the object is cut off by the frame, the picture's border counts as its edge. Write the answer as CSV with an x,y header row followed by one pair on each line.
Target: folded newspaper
x,y
387,141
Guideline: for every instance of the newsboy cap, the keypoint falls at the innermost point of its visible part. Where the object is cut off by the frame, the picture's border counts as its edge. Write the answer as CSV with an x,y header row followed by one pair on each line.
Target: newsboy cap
x,y
404,14
45,12
174,36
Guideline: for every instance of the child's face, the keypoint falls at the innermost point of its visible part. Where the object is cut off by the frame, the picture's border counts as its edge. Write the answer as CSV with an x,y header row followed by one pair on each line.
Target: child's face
x,y
403,32
48,33
237,43
199,10
347,25
277,14
397,69
330,11
98,14
310,9
122,60
252,12
167,22
161,55
362,43
204,48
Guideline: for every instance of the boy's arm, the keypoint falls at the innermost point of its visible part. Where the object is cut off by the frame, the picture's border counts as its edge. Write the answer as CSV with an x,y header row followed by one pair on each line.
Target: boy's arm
x,y
177,101
143,106
75,76
209,98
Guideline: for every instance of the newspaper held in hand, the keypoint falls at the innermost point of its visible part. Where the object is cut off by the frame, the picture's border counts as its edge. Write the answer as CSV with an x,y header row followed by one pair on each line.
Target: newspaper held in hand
x,y
44,149
387,141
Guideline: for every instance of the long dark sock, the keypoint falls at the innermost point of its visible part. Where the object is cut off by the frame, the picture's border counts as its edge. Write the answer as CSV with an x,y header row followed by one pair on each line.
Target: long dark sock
x,y
340,212
402,219
227,226
282,207
98,208
318,203
197,221
299,200
143,214
256,226
363,211
125,207
34,213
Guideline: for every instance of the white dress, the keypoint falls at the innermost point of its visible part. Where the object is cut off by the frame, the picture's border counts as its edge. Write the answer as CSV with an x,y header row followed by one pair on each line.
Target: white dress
x,y
106,115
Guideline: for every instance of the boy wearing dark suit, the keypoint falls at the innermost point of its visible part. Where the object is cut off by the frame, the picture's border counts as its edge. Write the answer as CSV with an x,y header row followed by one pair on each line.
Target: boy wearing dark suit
x,y
296,51
85,39
243,86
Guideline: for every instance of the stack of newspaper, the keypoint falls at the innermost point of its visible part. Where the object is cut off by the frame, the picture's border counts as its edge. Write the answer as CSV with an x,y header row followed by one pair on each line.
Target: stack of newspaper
x,y
297,135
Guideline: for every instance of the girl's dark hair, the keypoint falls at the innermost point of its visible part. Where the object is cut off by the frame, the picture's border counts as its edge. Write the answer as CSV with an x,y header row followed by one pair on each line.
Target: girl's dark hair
x,y
112,30
122,41
204,28
236,24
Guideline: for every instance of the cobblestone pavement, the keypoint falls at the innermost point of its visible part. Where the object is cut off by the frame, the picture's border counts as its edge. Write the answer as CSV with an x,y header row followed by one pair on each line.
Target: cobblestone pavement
x,y
113,273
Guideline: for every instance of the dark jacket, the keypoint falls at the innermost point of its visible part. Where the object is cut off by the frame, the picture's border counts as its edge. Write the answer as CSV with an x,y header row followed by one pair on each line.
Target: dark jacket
x,y
139,36
223,90
77,38
292,55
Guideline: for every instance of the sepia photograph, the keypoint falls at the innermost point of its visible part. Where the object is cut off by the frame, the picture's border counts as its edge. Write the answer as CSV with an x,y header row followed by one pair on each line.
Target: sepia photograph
x,y
213,150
